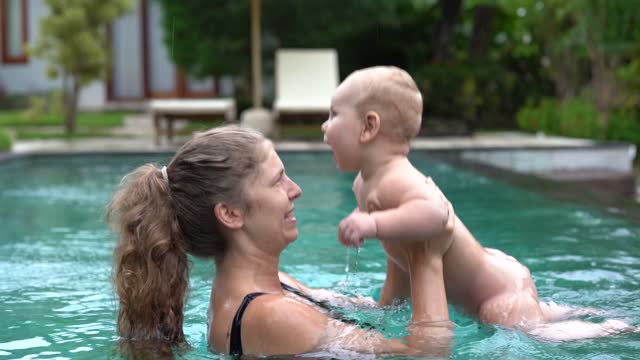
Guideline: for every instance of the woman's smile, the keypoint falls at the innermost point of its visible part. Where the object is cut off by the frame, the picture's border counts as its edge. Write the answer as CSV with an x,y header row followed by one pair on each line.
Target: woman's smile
x,y
290,218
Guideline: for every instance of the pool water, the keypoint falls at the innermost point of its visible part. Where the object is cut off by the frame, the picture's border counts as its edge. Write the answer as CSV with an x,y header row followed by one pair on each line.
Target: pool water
x,y
56,300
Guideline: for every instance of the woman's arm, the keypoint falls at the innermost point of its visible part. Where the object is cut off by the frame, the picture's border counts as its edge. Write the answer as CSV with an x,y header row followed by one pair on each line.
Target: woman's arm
x,y
396,285
431,329
276,325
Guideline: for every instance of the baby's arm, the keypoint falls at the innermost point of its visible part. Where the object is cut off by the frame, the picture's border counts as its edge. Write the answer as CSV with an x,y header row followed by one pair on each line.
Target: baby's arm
x,y
422,213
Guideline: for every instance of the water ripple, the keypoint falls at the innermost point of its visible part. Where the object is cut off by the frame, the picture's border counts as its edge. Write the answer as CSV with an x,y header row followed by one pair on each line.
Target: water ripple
x,y
25,344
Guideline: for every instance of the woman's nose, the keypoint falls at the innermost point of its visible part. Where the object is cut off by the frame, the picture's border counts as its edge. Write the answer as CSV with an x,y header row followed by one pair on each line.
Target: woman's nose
x,y
295,191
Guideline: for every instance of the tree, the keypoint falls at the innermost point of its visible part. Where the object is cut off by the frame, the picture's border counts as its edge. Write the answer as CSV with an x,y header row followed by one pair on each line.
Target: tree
x,y
450,13
212,38
585,43
483,15
73,38
609,32
208,38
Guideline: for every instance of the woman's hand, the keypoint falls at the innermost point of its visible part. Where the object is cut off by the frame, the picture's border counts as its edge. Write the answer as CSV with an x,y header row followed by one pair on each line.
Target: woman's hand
x,y
431,339
441,243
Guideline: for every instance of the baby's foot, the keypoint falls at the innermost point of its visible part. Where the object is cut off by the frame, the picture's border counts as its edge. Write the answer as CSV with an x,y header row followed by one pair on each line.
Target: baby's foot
x,y
618,327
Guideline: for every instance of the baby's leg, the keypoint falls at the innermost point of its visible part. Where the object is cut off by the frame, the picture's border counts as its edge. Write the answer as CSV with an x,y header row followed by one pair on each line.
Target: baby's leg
x,y
554,312
511,310
572,330
536,319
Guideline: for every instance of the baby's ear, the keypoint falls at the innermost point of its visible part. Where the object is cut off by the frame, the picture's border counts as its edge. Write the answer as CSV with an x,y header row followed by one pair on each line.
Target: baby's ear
x,y
371,127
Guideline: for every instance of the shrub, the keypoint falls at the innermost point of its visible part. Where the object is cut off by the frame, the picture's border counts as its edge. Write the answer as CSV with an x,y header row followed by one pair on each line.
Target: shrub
x,y
36,109
624,125
482,94
543,117
579,118
572,117
5,141
13,101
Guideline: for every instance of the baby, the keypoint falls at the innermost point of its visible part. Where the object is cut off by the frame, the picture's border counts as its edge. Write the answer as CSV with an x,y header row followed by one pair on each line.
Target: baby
x,y
375,112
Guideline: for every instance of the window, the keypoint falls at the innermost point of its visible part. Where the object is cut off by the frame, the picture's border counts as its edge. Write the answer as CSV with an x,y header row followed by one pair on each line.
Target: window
x,y
13,28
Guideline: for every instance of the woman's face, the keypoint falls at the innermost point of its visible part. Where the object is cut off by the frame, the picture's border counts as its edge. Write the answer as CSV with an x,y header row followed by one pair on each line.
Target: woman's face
x,y
270,203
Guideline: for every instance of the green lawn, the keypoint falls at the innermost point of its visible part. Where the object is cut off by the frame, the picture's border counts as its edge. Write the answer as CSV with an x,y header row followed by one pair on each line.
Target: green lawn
x,y
88,119
22,134
98,124
5,141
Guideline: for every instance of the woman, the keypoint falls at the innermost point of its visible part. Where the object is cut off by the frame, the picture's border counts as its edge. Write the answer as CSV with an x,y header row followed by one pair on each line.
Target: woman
x,y
225,195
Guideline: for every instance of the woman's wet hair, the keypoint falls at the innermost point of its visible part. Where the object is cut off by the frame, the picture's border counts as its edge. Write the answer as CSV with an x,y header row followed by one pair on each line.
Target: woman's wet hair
x,y
159,219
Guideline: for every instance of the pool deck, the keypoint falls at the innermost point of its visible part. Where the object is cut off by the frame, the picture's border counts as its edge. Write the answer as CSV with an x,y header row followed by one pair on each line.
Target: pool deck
x,y
604,165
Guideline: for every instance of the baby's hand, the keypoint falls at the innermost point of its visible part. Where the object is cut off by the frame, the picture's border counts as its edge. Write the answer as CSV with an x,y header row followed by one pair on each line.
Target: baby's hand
x,y
355,228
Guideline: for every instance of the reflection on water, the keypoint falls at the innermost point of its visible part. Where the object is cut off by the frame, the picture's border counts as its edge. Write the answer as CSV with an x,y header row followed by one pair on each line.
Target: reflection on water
x,y
55,258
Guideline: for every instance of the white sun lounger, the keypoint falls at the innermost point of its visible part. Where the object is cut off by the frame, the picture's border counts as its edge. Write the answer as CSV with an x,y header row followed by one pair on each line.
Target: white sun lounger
x,y
305,80
189,109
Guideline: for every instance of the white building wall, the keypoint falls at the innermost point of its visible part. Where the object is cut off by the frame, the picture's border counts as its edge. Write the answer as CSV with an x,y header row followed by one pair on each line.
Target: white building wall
x,y
126,56
93,96
31,77
162,72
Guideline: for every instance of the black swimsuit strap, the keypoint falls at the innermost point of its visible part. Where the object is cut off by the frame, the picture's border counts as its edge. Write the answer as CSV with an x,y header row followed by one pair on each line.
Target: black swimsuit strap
x,y
235,342
293,290
323,304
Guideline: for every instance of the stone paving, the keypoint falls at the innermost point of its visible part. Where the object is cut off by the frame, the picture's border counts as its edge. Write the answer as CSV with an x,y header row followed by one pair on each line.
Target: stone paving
x,y
138,135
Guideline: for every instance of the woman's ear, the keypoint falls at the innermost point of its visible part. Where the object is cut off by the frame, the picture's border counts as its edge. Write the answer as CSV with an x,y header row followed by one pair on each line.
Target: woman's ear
x,y
229,216
371,127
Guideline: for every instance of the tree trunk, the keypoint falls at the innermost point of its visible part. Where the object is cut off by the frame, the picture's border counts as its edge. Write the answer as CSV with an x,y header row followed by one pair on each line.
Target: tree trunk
x,y
216,85
481,35
450,12
563,70
603,82
70,89
603,66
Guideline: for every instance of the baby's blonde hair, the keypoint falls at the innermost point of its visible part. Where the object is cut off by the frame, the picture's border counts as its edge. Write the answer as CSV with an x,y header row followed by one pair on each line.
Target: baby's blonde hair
x,y
392,93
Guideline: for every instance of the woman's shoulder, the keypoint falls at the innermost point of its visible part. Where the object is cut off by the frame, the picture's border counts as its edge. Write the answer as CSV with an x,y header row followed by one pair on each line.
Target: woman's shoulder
x,y
275,324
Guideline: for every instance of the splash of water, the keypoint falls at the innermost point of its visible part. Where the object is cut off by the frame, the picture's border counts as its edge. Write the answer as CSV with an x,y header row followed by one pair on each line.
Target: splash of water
x,y
355,269
346,267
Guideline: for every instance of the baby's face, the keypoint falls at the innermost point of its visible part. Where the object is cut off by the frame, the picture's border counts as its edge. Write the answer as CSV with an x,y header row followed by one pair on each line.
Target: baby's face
x,y
342,129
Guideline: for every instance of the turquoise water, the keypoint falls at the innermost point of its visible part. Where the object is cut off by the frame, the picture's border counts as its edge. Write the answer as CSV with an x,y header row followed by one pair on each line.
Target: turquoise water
x,y
56,301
